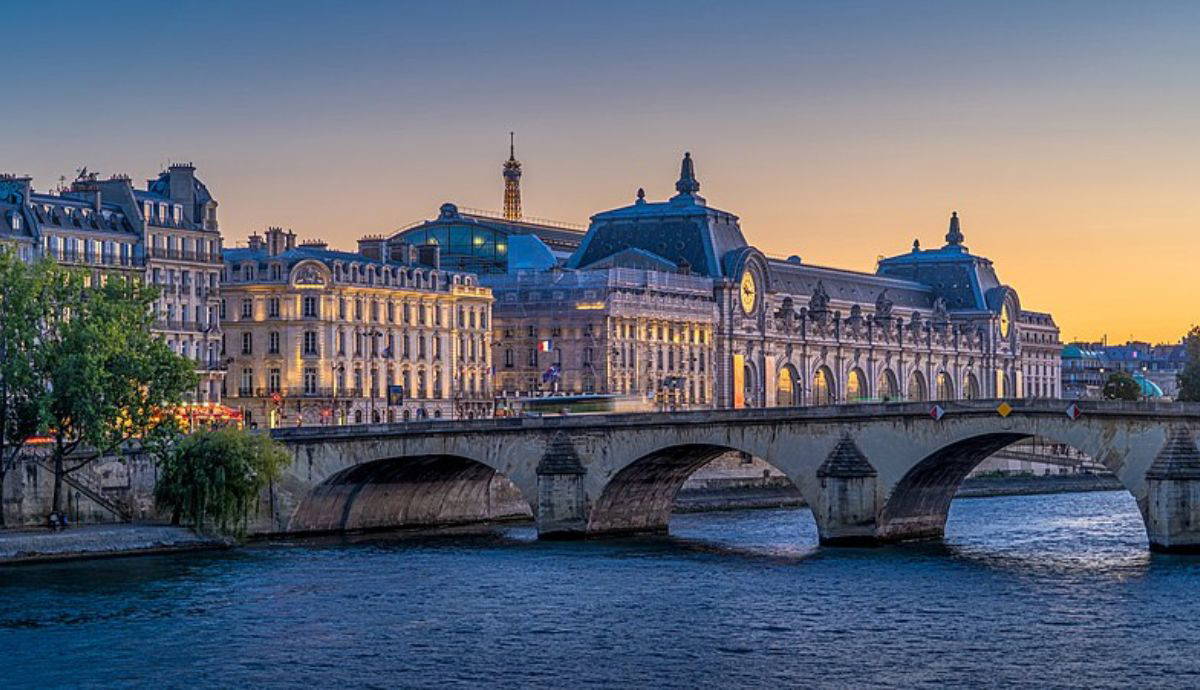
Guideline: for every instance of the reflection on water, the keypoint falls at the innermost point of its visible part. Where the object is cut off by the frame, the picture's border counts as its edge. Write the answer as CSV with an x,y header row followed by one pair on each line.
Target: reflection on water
x,y
1055,590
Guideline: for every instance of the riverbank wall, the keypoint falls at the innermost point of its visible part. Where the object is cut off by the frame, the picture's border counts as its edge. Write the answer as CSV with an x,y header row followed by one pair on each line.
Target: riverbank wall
x,y
108,490
21,546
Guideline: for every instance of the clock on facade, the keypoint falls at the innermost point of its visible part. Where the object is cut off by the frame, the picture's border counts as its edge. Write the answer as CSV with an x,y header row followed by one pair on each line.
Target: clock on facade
x,y
749,292
1005,321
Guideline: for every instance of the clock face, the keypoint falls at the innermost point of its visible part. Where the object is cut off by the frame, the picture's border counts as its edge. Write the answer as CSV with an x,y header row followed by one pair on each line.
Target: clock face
x,y
1005,321
749,292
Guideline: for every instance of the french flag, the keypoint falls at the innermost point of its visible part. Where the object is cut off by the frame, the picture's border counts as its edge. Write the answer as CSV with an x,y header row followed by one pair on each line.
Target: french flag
x,y
545,345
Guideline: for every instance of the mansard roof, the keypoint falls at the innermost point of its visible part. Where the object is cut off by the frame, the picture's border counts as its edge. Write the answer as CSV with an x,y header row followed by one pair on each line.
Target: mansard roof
x,y
684,230
852,286
964,280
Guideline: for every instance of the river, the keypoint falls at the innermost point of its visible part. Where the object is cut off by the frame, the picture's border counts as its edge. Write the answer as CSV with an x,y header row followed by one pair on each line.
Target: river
x,y
1050,590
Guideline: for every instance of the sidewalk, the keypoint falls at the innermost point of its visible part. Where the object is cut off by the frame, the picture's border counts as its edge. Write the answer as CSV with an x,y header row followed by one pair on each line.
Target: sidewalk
x,y
26,545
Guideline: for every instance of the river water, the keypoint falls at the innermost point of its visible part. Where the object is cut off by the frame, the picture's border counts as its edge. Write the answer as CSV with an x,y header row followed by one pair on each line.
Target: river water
x,y
1047,590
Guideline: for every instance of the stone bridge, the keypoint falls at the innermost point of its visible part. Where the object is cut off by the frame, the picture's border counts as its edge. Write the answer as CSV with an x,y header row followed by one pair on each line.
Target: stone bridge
x,y
872,473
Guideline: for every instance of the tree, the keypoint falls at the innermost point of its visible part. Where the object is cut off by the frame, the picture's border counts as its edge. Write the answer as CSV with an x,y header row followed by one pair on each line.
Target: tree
x,y
21,402
105,378
1189,378
216,477
1120,385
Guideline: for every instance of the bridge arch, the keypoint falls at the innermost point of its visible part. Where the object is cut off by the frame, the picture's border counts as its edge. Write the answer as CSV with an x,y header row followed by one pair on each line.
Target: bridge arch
x,y
640,496
409,491
918,505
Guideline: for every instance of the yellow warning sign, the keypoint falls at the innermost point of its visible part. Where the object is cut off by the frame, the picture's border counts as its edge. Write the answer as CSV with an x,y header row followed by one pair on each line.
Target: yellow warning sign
x,y
1004,409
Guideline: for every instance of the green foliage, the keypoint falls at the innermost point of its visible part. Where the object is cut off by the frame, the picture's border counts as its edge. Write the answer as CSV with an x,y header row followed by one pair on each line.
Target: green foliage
x,y
22,410
214,478
1120,385
1189,378
80,362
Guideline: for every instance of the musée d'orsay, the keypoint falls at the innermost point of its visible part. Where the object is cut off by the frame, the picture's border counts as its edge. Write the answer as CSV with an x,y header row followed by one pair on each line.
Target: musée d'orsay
x,y
669,298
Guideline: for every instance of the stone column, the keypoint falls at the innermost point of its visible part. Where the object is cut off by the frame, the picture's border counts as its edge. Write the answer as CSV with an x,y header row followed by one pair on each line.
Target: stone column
x,y
847,506
1173,495
561,510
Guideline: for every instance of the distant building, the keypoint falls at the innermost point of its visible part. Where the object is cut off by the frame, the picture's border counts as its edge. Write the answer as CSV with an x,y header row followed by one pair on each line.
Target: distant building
x,y
1156,368
488,243
317,336
167,234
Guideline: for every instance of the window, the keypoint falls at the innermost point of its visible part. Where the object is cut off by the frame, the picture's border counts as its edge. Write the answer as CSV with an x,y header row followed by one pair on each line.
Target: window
x,y
533,358
405,346
341,307
272,342
310,342
341,342
310,381
508,357
310,306
247,308
276,272
247,344
391,312
420,346
272,308
273,380
247,385
437,347
374,311
532,331
223,317
358,310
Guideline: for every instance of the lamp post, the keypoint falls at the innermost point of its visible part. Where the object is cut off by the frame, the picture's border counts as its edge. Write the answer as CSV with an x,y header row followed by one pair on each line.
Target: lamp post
x,y
374,378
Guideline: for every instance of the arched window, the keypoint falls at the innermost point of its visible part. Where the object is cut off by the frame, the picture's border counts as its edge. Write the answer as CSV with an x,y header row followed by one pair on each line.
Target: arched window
x,y
787,389
856,385
916,386
886,388
971,387
748,385
823,386
945,386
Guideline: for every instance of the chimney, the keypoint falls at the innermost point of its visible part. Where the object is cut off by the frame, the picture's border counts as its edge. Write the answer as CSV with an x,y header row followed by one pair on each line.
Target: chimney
x,y
182,178
278,241
429,255
290,239
256,242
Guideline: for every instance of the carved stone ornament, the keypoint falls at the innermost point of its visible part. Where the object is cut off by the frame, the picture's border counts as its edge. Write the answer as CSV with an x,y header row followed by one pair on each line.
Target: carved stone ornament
x,y
309,275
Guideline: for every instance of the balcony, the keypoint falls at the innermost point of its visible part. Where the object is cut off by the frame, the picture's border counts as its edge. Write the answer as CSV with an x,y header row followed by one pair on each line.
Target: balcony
x,y
186,326
181,255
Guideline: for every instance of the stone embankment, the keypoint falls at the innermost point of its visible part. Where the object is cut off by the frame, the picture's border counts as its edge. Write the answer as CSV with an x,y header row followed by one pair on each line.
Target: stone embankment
x,y
100,541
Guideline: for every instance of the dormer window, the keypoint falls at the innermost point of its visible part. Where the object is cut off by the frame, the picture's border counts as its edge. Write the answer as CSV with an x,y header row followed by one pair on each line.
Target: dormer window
x,y
148,210
14,220
162,212
178,213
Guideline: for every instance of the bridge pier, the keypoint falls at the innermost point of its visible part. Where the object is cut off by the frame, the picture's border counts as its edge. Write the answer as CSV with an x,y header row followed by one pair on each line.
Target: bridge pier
x,y
847,507
561,509
1173,495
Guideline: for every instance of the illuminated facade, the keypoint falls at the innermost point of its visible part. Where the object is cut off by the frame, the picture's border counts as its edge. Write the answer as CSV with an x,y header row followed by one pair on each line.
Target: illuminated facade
x,y
927,325
316,336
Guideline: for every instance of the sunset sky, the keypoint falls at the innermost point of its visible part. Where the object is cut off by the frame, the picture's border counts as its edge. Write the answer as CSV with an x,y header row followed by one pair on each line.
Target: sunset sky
x,y
1065,134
